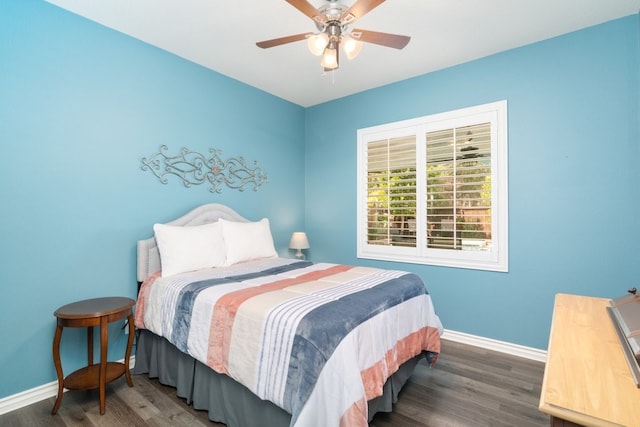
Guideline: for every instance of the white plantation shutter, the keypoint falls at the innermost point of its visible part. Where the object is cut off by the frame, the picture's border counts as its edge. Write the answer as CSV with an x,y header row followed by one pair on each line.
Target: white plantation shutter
x,y
459,195
433,190
391,191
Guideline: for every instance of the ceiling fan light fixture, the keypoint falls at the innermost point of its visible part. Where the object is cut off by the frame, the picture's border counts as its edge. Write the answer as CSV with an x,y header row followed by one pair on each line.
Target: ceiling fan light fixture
x,y
333,21
351,46
317,43
330,57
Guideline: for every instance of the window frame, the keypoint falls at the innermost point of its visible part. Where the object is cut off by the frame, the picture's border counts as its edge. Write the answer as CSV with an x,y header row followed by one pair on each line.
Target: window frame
x,y
495,259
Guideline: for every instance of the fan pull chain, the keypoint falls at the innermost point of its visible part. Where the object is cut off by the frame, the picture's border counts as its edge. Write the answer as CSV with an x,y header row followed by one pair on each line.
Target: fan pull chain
x,y
333,75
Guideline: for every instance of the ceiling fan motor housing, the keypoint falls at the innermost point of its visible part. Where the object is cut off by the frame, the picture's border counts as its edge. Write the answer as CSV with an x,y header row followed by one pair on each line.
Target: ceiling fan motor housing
x,y
332,24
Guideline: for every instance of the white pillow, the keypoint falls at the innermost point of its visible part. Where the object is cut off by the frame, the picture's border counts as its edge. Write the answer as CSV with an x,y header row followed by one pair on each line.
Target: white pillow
x,y
189,248
247,240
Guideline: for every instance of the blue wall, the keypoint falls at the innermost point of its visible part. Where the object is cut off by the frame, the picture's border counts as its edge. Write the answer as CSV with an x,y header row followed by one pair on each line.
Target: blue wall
x,y
80,105
574,144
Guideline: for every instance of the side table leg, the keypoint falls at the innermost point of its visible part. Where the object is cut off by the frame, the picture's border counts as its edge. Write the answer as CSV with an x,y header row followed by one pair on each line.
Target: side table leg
x,y
104,342
58,365
89,345
127,355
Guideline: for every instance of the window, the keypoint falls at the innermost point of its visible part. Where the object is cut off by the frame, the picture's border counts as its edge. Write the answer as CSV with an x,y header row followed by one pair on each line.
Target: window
x,y
433,190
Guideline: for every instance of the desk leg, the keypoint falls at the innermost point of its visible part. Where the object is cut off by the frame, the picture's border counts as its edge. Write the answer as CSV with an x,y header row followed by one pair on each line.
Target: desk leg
x,y
559,422
127,355
58,365
104,342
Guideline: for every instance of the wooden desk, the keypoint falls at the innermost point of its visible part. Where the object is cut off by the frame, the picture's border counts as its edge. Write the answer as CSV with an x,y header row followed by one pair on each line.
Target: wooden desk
x,y
87,314
586,379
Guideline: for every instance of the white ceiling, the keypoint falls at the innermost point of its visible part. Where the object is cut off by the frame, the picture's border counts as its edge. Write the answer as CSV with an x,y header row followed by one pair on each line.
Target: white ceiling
x,y
221,35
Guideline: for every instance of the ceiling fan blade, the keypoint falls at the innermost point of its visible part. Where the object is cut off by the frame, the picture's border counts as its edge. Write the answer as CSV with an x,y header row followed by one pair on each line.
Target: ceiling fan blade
x,y
383,39
308,9
282,40
359,9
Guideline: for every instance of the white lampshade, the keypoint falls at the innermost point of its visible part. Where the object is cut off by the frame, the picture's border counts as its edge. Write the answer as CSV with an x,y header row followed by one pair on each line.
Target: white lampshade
x,y
351,46
330,57
317,42
299,241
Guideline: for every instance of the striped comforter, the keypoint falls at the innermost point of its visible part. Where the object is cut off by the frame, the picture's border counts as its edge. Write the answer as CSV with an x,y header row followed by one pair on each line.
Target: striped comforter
x,y
318,340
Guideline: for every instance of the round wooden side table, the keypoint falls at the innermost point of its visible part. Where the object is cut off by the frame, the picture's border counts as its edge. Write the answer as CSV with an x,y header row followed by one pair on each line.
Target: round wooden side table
x,y
87,314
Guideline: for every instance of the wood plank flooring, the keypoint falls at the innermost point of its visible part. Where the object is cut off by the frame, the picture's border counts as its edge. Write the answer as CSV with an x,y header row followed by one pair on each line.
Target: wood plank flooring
x,y
468,386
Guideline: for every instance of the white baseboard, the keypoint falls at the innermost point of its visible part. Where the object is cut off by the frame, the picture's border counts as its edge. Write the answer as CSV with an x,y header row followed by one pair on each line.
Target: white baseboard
x,y
36,394
27,397
495,345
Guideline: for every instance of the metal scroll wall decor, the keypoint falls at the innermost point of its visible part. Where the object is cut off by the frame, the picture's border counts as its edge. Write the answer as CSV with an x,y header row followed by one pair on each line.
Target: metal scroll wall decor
x,y
194,168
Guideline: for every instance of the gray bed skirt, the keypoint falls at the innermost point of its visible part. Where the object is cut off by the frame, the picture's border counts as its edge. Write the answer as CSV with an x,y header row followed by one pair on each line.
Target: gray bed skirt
x,y
226,400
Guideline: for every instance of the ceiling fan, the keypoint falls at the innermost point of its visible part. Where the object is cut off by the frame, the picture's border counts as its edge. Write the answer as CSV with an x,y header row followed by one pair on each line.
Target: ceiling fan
x,y
332,21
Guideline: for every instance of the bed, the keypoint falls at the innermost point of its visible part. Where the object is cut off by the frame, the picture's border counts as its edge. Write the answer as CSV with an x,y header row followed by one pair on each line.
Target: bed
x,y
256,339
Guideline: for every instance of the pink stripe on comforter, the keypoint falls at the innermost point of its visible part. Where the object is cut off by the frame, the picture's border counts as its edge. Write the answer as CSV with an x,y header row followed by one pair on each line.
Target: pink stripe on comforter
x,y
374,377
143,295
227,306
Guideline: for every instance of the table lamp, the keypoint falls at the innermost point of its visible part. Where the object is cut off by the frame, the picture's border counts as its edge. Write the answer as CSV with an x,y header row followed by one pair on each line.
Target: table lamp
x,y
299,241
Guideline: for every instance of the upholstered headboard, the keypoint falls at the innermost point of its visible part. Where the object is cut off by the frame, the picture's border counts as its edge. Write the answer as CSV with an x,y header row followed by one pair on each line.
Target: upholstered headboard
x,y
148,254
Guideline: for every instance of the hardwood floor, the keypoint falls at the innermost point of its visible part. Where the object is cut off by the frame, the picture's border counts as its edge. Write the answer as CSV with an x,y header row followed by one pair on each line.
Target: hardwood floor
x,y
468,386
